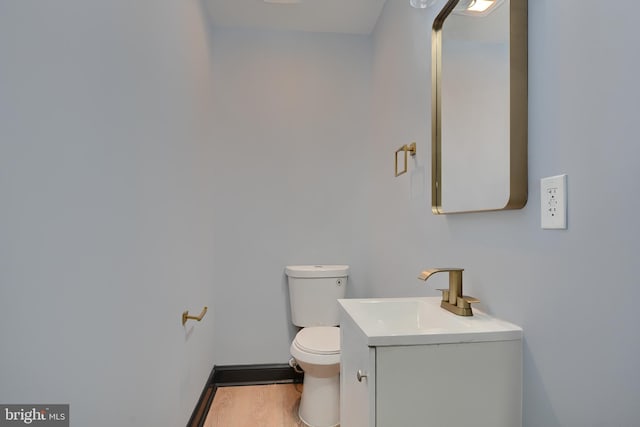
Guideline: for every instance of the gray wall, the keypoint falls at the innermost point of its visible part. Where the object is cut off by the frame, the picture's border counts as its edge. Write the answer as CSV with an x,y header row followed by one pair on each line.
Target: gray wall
x,y
146,166
291,119
574,292
105,218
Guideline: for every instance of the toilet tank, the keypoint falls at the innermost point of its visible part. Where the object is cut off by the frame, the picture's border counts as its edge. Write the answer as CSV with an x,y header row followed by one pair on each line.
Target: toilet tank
x,y
314,291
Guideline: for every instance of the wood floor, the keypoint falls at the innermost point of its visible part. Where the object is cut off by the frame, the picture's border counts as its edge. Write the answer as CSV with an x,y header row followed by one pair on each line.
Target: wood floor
x,y
273,405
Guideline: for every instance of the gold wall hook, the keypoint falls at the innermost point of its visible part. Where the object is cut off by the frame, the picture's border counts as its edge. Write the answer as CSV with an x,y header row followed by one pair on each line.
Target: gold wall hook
x,y
185,316
408,149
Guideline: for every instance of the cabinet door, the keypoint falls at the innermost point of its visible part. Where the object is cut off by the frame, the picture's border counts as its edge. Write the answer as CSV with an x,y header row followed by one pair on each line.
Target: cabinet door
x,y
357,395
450,385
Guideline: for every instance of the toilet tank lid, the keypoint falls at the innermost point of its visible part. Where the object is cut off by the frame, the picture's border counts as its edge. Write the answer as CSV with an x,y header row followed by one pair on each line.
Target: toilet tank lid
x,y
317,270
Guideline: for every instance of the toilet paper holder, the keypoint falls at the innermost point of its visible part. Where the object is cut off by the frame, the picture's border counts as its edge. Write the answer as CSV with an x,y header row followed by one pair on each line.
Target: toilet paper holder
x,y
185,316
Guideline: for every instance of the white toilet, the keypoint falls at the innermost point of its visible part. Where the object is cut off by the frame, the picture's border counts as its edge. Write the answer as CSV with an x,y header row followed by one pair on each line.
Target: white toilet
x,y
314,291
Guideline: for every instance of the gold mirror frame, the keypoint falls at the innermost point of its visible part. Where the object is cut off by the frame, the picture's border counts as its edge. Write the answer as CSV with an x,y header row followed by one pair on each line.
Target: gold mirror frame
x,y
518,173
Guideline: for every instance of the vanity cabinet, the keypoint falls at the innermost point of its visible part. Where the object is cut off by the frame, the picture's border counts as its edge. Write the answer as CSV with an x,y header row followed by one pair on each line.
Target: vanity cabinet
x,y
448,384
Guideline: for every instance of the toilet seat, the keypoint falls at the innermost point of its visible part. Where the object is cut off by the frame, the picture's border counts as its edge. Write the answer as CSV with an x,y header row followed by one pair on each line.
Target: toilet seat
x,y
319,340
318,345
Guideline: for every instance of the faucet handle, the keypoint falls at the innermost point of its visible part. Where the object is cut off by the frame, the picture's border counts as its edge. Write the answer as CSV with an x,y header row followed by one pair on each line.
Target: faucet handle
x,y
445,294
465,301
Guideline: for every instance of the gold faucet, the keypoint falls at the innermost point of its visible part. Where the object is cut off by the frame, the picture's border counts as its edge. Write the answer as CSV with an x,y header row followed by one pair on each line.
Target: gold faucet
x,y
452,298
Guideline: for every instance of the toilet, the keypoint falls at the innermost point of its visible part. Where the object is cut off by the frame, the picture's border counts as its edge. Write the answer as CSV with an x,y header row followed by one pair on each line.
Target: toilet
x,y
314,291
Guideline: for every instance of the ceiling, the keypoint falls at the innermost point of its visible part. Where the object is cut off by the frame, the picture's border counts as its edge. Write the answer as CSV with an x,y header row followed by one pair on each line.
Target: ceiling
x,y
326,16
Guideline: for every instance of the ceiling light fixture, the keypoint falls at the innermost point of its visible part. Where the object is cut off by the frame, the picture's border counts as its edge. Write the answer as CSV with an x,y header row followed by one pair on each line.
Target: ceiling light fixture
x,y
481,5
421,4
476,7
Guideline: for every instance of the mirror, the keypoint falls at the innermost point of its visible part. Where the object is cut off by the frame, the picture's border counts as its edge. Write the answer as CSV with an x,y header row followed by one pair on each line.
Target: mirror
x,y
479,106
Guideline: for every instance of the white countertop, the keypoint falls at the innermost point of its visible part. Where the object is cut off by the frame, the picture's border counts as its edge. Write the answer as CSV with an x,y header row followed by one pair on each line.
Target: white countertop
x,y
421,320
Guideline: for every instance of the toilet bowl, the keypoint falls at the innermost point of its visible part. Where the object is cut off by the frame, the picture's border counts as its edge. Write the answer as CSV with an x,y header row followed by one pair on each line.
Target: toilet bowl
x,y
316,350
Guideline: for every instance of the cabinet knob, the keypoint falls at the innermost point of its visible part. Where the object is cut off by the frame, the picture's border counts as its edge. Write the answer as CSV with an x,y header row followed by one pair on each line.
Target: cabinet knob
x,y
360,375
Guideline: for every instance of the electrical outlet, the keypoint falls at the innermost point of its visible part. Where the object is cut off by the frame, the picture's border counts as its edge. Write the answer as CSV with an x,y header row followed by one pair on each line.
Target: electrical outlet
x,y
553,202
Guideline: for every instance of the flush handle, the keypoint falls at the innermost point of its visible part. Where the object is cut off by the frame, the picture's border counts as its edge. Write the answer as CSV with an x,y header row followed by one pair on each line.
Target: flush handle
x,y
361,374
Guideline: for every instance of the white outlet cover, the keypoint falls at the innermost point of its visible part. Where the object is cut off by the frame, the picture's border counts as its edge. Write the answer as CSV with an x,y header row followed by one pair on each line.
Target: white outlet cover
x,y
553,202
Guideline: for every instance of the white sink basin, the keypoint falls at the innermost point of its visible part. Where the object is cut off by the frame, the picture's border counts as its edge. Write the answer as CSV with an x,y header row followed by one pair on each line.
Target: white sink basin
x,y
415,321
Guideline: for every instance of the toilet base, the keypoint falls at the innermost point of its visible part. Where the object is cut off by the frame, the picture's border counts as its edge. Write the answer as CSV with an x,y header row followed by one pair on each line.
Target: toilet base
x,y
320,401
